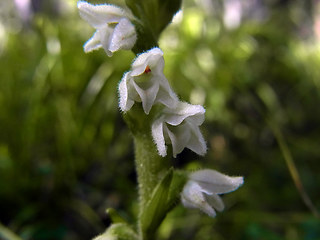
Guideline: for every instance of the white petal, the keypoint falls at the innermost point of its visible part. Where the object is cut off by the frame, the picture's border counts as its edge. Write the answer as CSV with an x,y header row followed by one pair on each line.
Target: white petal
x,y
132,92
212,181
156,63
165,95
185,110
141,59
179,137
215,201
124,36
168,99
192,197
147,92
93,43
196,142
105,38
152,58
100,15
158,137
125,104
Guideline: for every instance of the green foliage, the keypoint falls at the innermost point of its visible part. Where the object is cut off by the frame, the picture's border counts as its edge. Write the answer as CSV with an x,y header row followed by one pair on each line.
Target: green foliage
x,y
164,197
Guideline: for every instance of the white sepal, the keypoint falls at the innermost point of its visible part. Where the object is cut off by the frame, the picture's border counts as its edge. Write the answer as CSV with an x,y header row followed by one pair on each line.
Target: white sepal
x,y
124,36
98,15
215,182
124,102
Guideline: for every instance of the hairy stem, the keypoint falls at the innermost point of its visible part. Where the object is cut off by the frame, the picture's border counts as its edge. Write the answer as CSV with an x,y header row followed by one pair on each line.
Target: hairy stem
x,y
150,166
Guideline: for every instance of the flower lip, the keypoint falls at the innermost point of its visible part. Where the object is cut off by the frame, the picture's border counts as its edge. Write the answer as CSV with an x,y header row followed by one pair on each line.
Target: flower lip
x,y
192,197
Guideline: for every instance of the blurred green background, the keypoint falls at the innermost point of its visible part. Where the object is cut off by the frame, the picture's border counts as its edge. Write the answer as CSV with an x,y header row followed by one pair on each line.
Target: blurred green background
x,y
66,154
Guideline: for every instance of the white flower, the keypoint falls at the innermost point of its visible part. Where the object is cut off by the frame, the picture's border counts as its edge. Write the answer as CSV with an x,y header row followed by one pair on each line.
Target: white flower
x,y
203,187
114,30
180,127
146,83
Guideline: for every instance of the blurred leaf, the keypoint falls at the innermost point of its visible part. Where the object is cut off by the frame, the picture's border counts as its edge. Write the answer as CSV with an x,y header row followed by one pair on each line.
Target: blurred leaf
x,y
156,208
7,234
115,217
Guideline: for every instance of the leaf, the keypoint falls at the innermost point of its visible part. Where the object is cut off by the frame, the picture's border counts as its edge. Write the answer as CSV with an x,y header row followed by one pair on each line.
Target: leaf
x,y
7,234
156,208
178,181
118,231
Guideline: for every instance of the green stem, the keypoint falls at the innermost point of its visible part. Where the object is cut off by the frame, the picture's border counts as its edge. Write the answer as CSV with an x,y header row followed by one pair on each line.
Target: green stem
x,y
150,169
150,166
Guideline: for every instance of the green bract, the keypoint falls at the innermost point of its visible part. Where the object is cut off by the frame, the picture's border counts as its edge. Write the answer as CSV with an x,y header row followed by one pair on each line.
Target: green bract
x,y
118,231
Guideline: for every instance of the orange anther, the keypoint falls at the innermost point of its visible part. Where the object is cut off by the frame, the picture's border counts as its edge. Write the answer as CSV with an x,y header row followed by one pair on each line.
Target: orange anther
x,y
147,70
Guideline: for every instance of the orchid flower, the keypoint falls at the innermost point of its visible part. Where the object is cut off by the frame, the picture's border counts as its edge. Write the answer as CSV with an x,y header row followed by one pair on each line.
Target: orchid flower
x,y
203,188
180,127
114,30
146,83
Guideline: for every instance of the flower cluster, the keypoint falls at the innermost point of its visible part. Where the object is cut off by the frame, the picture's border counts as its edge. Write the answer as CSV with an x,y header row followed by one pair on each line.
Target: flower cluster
x,y
178,124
